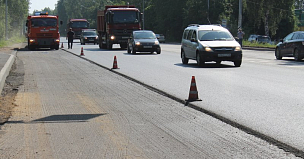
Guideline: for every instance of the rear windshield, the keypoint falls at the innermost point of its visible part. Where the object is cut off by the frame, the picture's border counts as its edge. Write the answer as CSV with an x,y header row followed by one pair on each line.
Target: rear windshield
x,y
144,35
214,35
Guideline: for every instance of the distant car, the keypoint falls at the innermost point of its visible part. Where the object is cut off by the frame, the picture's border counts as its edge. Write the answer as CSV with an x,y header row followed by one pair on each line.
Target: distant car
x,y
205,43
161,38
88,36
259,38
252,38
291,46
143,41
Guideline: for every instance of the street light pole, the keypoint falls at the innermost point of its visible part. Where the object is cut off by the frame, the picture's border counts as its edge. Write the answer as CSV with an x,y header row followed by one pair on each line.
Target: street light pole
x,y
6,20
240,14
143,16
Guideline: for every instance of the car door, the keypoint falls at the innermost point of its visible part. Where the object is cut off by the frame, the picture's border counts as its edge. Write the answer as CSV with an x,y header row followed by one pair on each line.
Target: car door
x,y
187,43
291,45
193,44
285,44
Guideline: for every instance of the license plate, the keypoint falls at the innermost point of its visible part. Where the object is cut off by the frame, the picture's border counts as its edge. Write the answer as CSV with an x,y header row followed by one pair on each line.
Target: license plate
x,y
125,37
147,46
91,40
224,55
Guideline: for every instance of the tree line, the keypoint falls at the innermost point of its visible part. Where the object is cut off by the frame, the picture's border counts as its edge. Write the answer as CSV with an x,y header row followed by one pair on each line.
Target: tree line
x,y
275,18
17,12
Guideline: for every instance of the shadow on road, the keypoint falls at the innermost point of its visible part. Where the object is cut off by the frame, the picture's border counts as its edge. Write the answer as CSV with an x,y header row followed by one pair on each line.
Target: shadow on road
x,y
60,119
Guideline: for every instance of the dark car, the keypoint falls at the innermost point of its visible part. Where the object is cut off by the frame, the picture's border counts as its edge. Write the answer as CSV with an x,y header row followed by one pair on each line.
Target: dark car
x,y
206,43
291,46
88,36
143,41
161,38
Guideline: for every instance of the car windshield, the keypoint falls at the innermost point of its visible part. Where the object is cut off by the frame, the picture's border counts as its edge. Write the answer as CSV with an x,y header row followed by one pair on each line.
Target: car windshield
x,y
125,17
144,35
214,35
89,33
44,22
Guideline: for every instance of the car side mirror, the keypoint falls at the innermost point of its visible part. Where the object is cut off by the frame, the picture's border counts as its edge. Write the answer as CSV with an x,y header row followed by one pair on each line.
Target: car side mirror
x,y
281,40
193,40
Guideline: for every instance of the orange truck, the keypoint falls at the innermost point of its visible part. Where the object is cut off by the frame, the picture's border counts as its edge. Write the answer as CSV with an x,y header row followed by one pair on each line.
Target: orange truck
x,y
43,31
115,25
77,25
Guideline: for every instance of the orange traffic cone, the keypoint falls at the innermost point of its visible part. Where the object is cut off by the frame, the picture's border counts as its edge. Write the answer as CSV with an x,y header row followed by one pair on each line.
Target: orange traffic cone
x,y
115,63
61,45
193,94
81,53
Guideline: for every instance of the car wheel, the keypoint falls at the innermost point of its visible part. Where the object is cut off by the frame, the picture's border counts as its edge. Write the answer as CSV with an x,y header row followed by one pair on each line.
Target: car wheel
x,y
133,50
278,54
185,60
199,60
158,51
109,46
128,48
237,63
297,55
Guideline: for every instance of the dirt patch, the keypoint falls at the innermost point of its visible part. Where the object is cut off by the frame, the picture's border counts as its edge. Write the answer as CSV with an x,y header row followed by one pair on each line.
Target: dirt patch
x,y
12,83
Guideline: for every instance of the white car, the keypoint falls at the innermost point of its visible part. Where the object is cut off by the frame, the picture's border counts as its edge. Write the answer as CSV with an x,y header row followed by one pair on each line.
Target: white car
x,y
205,43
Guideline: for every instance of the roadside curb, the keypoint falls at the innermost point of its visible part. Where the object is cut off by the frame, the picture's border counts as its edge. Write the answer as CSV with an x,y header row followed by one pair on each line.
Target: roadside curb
x,y
6,69
258,48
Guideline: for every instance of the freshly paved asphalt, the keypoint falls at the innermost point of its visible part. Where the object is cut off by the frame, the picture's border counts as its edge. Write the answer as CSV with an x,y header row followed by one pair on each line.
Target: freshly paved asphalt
x,y
7,60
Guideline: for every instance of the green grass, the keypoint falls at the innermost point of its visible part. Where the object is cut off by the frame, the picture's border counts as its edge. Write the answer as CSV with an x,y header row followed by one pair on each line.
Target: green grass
x,y
255,44
11,41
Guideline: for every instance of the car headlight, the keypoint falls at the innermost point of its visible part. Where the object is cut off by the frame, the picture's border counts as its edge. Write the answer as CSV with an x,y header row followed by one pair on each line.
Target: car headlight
x,y
156,42
137,43
32,40
85,38
96,37
208,49
238,48
112,37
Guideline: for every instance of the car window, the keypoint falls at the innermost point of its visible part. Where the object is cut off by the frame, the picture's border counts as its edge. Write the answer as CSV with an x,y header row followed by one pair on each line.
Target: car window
x,y
301,36
194,35
214,35
190,35
295,36
185,34
288,37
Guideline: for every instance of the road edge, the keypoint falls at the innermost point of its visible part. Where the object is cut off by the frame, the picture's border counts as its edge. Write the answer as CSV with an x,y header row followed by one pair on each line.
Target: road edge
x,y
6,69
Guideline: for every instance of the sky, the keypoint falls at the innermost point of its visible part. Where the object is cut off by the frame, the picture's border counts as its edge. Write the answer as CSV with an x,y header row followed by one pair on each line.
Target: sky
x,y
41,4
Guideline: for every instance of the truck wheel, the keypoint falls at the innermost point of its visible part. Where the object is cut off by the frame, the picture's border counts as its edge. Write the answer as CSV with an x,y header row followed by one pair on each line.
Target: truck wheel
x,y
57,47
109,46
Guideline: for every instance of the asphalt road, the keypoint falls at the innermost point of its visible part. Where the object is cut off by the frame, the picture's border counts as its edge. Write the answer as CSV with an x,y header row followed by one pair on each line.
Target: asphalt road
x,y
72,108
264,94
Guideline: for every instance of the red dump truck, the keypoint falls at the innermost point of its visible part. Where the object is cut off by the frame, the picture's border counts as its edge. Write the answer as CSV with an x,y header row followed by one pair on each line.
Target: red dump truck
x,y
115,24
43,31
77,25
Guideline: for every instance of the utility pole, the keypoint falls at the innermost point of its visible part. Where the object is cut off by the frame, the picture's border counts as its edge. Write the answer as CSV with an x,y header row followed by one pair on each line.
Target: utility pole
x,y
143,16
240,14
6,37
208,12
